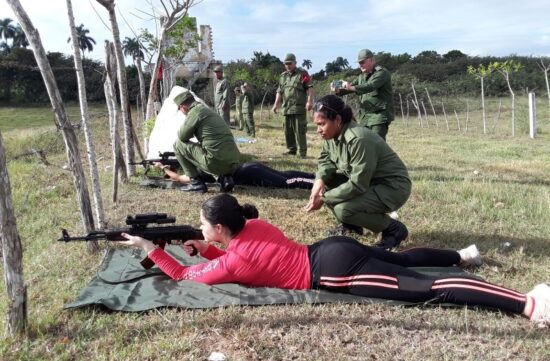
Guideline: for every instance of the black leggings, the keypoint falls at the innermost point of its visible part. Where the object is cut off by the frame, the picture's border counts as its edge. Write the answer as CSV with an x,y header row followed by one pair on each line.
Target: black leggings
x,y
342,264
260,175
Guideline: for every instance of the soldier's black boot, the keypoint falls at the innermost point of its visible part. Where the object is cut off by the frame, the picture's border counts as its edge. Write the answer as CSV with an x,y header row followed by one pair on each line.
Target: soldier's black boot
x,y
393,235
196,185
226,183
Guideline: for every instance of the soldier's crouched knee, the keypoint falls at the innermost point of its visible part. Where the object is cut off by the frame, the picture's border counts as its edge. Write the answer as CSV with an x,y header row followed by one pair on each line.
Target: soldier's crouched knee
x,y
342,212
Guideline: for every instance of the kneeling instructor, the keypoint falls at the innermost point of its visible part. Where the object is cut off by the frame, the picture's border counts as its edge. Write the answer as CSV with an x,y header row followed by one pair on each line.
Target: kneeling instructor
x,y
215,152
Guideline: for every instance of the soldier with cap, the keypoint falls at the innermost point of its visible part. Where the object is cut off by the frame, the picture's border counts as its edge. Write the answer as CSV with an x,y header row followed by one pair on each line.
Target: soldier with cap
x,y
239,107
375,94
221,94
295,92
215,152
248,110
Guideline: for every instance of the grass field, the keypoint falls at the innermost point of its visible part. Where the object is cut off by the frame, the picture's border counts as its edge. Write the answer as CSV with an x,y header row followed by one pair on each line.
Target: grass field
x,y
492,190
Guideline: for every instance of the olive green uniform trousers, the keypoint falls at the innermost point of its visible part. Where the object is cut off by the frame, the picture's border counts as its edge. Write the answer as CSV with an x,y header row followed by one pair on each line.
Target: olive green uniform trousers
x,y
295,133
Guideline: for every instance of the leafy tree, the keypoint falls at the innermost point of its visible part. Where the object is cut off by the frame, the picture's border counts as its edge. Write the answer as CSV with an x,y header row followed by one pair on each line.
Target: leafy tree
x,y
85,42
7,30
427,57
505,69
481,72
453,55
132,47
19,38
307,64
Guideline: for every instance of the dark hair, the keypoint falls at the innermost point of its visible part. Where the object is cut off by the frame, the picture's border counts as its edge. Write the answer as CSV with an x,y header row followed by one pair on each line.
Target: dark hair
x,y
331,106
224,209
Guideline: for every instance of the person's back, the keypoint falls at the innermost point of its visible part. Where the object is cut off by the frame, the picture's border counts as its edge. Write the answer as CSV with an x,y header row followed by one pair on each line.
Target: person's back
x,y
210,130
261,255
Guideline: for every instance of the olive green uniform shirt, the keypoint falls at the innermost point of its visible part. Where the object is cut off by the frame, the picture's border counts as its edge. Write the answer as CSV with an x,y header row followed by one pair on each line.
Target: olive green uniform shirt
x,y
365,159
213,135
248,102
375,97
221,95
239,104
293,88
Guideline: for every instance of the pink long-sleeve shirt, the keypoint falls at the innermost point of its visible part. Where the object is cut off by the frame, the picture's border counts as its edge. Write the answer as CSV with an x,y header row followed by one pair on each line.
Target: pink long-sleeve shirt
x,y
259,256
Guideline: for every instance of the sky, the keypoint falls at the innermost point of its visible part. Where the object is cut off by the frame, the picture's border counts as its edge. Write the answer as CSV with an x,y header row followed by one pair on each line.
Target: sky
x,y
321,30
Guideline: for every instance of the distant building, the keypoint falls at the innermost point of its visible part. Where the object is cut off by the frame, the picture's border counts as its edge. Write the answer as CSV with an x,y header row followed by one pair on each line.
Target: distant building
x,y
195,68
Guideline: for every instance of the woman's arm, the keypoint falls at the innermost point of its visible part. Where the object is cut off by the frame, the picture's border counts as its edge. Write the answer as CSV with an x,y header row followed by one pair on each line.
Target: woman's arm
x,y
363,164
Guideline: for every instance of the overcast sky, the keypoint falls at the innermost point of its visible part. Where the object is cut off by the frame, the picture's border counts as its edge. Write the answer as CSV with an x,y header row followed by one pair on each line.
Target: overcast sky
x,y
321,30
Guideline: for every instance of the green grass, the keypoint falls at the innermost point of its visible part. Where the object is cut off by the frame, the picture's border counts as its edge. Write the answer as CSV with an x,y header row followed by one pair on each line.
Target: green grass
x,y
467,188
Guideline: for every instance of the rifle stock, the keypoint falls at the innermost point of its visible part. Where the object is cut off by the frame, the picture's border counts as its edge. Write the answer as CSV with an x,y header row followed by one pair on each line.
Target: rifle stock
x,y
139,227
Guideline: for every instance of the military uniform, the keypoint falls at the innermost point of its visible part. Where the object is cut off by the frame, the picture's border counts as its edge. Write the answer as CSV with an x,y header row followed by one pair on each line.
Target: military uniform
x,y
221,99
239,110
364,178
215,153
248,112
293,88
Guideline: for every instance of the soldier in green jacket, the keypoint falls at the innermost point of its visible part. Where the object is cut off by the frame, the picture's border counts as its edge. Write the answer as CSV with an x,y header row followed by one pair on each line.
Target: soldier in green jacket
x,y
239,107
375,94
221,94
215,151
360,178
248,110
295,92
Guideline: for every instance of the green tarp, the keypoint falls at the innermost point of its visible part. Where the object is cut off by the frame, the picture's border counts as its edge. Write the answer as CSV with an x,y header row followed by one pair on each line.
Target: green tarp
x,y
123,285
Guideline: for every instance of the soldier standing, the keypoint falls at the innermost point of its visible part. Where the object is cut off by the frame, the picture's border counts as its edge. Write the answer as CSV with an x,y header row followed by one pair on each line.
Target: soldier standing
x,y
295,92
375,94
239,107
248,110
221,94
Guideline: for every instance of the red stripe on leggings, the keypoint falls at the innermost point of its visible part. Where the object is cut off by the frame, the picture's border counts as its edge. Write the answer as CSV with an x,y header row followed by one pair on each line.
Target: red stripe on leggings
x,y
484,284
358,283
356,277
502,294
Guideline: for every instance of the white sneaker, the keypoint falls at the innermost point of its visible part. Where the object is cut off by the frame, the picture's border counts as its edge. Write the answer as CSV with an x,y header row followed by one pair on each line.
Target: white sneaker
x,y
541,308
394,215
470,256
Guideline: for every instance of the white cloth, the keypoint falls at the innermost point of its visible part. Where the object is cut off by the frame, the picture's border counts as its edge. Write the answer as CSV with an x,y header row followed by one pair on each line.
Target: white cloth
x,y
169,120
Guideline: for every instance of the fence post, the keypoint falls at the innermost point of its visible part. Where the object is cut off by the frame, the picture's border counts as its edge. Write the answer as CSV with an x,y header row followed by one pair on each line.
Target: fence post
x,y
532,116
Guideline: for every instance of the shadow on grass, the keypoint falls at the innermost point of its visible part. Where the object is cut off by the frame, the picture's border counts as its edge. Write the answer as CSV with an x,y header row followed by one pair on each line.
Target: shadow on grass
x,y
533,246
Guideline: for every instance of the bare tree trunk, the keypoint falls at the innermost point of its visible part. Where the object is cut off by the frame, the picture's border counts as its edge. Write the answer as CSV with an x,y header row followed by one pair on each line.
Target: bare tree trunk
x,y
545,68
92,161
62,121
122,85
407,110
425,114
445,115
154,73
402,113
141,88
497,119
119,166
467,115
417,106
483,107
433,109
457,120
12,253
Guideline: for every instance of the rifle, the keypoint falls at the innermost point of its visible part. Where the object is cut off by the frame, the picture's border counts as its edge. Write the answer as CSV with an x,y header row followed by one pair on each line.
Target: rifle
x,y
139,227
165,158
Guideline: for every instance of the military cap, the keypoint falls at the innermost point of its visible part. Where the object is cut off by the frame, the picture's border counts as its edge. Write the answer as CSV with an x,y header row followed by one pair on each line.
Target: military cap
x,y
290,57
180,98
218,68
364,54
